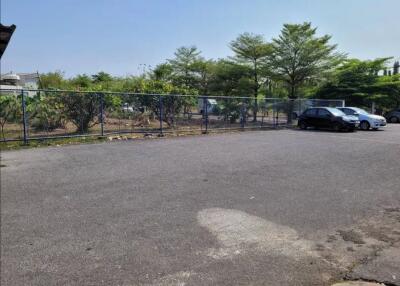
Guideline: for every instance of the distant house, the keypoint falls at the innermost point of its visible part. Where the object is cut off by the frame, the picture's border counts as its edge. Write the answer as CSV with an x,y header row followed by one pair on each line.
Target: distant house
x,y
14,82
29,80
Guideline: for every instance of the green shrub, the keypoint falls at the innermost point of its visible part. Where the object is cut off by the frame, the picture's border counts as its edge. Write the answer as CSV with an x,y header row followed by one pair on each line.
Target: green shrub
x,y
82,109
44,113
10,110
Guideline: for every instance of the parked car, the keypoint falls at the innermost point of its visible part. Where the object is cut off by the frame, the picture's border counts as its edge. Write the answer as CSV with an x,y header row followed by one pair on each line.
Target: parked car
x,y
327,117
393,116
367,120
127,108
212,105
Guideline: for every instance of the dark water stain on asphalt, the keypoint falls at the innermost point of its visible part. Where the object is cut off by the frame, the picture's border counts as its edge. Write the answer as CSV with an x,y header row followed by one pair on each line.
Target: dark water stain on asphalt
x,y
352,236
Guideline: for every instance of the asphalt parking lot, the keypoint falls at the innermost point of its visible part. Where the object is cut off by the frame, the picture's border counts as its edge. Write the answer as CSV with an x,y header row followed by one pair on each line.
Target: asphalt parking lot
x,y
254,208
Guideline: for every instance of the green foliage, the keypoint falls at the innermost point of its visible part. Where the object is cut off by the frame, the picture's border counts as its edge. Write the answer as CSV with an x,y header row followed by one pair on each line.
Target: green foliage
x,y
172,105
163,72
359,84
253,51
10,110
387,91
44,113
102,81
250,48
182,66
203,75
187,71
52,80
300,56
81,109
102,77
113,102
81,81
231,79
296,64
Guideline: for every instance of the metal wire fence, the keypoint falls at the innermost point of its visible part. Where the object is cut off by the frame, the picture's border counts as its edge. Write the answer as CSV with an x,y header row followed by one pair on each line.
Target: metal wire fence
x,y
44,114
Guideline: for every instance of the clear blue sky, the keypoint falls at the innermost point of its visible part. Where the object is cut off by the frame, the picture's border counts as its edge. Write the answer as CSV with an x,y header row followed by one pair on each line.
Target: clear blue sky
x,y
116,36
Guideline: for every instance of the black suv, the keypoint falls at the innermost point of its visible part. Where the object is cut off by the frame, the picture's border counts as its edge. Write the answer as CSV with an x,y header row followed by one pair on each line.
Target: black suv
x,y
327,117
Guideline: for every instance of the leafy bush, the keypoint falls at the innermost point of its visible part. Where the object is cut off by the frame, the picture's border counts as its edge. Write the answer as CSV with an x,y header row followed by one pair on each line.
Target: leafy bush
x,y
80,108
10,110
230,109
44,113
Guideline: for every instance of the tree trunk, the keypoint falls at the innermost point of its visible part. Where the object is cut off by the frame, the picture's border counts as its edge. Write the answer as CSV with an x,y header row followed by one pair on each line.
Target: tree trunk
x,y
2,132
84,126
290,104
255,108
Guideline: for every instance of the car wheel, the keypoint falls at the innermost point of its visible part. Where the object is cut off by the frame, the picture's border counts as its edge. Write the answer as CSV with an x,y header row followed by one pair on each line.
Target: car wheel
x,y
337,127
393,119
303,125
364,125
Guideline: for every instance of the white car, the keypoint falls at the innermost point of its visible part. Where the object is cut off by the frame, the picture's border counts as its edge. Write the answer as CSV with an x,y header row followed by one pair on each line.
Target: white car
x,y
127,108
367,120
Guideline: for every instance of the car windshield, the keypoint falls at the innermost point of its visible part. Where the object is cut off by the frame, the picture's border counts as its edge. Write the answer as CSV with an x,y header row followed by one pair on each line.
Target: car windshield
x,y
335,111
360,111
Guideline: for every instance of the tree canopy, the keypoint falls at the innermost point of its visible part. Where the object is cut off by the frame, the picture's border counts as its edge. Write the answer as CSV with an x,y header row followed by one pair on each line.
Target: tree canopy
x,y
253,51
359,83
297,63
299,56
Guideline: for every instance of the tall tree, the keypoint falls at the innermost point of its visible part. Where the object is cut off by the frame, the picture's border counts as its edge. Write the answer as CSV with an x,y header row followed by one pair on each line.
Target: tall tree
x,y
162,72
252,50
182,65
204,71
231,80
300,56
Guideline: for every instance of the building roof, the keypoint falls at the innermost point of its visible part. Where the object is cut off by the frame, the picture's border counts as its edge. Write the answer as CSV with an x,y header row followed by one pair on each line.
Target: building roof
x,y
22,77
5,36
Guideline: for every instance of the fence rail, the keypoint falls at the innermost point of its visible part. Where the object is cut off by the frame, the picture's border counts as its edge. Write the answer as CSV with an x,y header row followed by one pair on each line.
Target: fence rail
x,y
46,114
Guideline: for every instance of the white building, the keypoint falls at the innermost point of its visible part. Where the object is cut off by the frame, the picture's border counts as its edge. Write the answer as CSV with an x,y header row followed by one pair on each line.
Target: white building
x,y
15,82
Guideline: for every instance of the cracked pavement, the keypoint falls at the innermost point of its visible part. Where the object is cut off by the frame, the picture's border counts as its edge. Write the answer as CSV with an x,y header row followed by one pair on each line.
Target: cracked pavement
x,y
254,208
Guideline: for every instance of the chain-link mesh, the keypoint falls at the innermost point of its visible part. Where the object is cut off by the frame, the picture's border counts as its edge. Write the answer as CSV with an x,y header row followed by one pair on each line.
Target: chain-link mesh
x,y
36,114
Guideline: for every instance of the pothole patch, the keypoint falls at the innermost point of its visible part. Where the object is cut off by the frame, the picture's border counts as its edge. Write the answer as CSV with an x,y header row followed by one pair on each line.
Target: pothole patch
x,y
239,232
